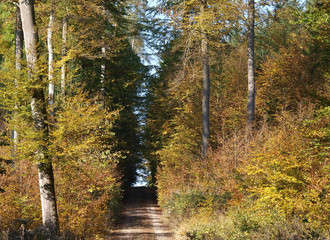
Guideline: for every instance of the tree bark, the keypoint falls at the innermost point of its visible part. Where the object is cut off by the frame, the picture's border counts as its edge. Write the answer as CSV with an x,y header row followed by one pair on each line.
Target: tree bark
x,y
51,87
18,41
18,59
39,114
206,89
63,67
103,77
251,73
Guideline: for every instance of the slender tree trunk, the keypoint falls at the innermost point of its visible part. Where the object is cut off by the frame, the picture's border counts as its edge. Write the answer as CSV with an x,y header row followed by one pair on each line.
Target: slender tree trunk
x,y
63,67
18,64
39,114
51,87
18,41
103,76
251,74
206,89
133,43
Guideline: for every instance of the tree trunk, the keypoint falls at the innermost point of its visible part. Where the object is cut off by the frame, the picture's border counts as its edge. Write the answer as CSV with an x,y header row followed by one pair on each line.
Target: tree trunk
x,y
206,89
51,86
63,67
18,59
39,114
133,43
18,41
103,77
251,74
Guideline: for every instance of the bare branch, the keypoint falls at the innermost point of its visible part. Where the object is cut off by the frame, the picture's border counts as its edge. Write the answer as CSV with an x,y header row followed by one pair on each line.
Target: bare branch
x,y
14,2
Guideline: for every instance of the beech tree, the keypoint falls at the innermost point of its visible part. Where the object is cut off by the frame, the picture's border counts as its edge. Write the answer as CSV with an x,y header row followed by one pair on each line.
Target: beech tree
x,y
64,50
251,82
206,86
18,58
51,89
39,114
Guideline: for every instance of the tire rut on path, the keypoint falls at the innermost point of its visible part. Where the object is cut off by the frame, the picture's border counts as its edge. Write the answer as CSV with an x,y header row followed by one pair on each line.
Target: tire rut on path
x,y
141,219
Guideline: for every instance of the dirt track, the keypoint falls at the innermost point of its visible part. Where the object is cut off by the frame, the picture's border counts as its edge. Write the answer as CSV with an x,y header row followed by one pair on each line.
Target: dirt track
x,y
141,218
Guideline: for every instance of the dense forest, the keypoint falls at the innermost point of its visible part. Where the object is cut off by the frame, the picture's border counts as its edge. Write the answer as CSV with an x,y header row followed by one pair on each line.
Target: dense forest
x,y
224,104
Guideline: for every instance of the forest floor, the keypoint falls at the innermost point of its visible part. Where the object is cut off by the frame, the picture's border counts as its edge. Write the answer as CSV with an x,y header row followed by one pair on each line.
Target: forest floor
x,y
141,218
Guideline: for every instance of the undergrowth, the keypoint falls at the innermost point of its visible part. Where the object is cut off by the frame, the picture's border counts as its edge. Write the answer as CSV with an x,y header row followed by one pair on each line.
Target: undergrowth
x,y
276,188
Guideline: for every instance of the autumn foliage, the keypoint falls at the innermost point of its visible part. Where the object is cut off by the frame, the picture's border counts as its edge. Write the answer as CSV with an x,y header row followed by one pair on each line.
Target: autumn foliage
x,y
87,181
91,132
268,182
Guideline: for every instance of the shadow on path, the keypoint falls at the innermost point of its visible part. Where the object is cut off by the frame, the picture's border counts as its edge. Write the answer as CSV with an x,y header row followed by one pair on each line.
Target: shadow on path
x,y
141,218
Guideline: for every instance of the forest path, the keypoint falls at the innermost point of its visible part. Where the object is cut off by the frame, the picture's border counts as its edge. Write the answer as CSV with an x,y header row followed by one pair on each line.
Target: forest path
x,y
141,218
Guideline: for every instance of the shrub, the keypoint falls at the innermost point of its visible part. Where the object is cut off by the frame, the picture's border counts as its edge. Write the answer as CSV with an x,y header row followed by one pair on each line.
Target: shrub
x,y
184,204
